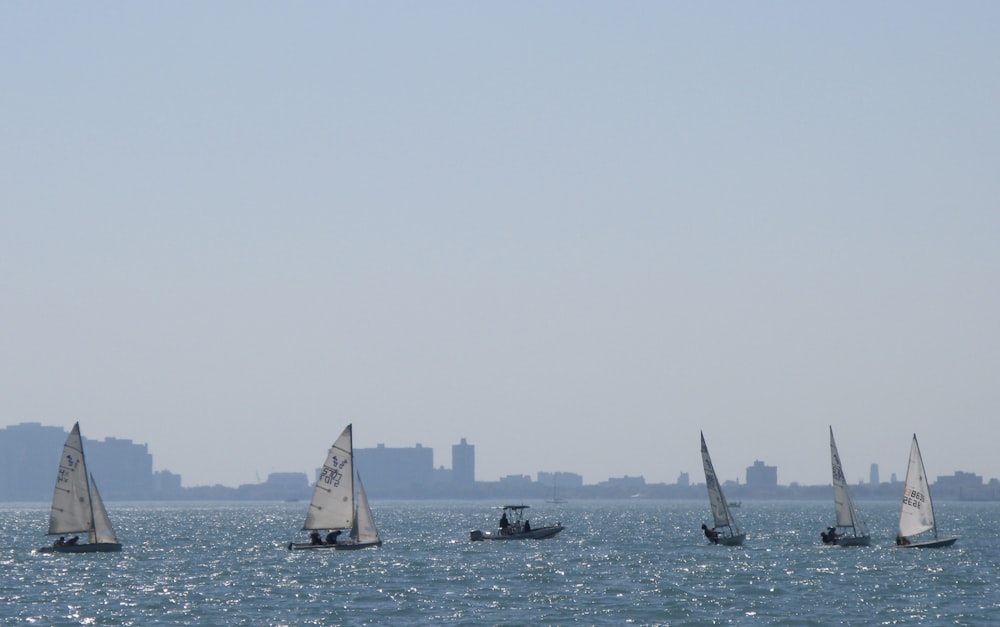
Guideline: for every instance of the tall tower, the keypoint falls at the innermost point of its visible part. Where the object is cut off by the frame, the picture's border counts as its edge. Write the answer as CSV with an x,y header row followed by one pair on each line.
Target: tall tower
x,y
463,463
873,475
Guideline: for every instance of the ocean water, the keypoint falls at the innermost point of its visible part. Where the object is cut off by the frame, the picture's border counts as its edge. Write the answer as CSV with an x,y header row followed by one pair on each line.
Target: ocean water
x,y
618,562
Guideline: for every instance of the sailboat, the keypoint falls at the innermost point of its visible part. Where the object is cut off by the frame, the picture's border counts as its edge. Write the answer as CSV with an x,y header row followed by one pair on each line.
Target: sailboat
x,y
337,505
77,506
725,530
555,495
917,513
849,529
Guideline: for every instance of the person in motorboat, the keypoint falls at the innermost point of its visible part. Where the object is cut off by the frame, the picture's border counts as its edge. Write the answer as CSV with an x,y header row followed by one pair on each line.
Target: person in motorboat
x,y
711,534
331,538
504,524
527,525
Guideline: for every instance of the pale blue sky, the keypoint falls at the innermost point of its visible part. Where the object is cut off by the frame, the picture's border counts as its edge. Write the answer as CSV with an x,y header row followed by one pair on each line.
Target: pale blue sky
x,y
574,233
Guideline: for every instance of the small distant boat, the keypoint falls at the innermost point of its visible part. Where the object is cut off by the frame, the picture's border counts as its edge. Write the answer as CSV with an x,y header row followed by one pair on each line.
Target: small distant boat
x,y
849,529
77,506
335,506
734,504
555,495
917,513
725,531
513,526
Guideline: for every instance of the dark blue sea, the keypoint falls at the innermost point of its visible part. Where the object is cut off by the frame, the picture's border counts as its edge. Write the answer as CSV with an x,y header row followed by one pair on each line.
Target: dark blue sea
x,y
618,562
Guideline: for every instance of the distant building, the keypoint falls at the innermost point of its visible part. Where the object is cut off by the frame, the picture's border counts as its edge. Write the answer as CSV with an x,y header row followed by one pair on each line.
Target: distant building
x,y
873,475
166,483
393,471
279,486
684,480
560,480
516,480
625,483
760,476
463,463
959,480
123,469
29,456
288,480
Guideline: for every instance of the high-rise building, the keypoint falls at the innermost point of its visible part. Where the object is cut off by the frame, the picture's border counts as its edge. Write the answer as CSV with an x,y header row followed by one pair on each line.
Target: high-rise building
x,y
762,476
463,463
29,458
873,475
388,470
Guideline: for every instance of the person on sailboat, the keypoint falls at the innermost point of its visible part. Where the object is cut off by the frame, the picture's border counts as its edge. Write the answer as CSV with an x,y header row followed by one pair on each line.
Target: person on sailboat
x,y
60,542
711,534
830,536
331,538
901,540
73,541
314,537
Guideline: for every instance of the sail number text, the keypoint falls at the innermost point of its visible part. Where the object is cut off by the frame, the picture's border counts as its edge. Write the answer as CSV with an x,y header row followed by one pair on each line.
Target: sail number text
x,y
913,498
331,475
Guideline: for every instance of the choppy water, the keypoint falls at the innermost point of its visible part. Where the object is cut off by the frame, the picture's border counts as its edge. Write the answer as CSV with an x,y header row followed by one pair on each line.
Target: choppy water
x,y
637,562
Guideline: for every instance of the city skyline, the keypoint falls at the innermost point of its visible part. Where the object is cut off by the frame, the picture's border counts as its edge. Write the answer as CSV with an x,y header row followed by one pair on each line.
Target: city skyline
x,y
576,234
769,472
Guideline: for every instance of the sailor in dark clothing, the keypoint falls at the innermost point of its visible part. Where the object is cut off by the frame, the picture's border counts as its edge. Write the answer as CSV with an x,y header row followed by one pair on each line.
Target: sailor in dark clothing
x,y
711,534
331,538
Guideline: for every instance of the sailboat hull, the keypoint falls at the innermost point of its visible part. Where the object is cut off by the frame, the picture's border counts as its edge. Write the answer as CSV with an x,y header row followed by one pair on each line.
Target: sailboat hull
x,y
736,540
340,546
535,534
853,541
936,543
96,547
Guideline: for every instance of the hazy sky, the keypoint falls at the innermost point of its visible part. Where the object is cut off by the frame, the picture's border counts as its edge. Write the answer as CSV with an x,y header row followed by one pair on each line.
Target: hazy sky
x,y
574,233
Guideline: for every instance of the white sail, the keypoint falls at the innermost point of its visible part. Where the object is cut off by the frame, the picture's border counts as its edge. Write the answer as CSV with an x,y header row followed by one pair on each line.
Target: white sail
x,y
720,509
847,515
332,505
917,513
102,531
364,529
71,511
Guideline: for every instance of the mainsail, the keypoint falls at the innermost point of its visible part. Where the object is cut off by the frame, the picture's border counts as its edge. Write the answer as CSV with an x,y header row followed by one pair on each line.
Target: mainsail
x,y
917,513
847,515
71,509
332,505
720,509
